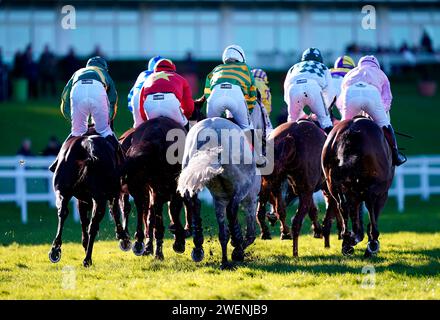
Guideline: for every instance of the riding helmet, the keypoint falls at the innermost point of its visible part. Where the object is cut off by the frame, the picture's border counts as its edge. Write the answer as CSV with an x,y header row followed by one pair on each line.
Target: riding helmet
x,y
97,62
312,54
233,53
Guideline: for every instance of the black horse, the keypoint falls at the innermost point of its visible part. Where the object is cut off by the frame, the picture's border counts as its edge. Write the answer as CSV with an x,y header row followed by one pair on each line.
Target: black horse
x,y
89,170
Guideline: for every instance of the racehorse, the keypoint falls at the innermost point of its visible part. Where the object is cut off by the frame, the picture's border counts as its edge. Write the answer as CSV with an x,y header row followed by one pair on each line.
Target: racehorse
x,y
357,163
190,204
217,155
151,180
87,169
297,159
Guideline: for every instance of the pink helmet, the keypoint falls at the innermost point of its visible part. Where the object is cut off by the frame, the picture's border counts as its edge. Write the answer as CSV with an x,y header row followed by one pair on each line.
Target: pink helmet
x,y
369,60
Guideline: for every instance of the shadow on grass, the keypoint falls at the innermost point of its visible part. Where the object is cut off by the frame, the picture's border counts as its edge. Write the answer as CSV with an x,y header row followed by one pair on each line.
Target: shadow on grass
x,y
336,264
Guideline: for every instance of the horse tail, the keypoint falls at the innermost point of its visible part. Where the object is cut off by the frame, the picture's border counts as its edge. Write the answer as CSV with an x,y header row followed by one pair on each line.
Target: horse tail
x,y
203,166
92,156
347,152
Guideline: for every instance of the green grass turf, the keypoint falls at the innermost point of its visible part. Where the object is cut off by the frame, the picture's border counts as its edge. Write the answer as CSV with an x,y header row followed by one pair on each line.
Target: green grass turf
x,y
407,267
40,119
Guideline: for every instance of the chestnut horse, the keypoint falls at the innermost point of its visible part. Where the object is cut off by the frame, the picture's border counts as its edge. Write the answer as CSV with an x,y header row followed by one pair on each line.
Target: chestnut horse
x,y
297,150
357,163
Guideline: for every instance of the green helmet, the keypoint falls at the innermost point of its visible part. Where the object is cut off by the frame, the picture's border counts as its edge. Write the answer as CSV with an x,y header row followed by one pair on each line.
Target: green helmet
x,y
312,54
97,62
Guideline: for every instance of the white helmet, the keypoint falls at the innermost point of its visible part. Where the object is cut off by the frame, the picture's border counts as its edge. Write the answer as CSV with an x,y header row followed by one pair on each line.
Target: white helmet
x,y
233,52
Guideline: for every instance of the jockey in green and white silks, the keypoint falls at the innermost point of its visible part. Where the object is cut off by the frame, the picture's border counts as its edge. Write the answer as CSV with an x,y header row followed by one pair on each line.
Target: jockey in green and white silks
x,y
90,92
309,83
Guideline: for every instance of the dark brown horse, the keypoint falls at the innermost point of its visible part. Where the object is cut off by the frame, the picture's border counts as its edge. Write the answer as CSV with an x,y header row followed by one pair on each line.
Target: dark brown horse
x,y
87,169
297,158
190,204
152,181
357,162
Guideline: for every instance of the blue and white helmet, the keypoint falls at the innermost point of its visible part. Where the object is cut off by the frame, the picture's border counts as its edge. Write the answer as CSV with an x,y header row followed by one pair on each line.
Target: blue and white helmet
x,y
153,61
233,53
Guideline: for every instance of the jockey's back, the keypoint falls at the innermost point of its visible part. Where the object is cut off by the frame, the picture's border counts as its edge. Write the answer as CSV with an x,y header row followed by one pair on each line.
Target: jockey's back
x,y
164,79
237,73
310,69
372,75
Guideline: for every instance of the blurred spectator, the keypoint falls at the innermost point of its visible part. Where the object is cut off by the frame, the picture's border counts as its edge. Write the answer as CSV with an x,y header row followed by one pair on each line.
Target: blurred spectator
x,y
31,72
18,68
189,72
25,149
69,64
47,70
52,148
3,78
97,52
426,42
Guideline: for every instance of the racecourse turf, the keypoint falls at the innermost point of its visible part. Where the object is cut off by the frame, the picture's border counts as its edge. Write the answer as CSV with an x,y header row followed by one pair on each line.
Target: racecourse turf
x,y
407,267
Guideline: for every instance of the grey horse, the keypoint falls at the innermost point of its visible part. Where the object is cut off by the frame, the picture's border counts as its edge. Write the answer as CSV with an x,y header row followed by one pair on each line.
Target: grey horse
x,y
217,155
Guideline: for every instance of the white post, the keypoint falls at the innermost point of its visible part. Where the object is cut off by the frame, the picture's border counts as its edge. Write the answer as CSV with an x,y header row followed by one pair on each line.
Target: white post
x,y
400,189
20,189
424,179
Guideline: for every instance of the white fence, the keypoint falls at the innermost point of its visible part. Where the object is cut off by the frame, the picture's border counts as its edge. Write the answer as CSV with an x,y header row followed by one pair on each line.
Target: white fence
x,y
21,172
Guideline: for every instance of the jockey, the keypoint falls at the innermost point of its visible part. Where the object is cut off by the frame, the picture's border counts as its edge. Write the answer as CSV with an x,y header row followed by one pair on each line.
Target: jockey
x,y
367,88
133,96
262,85
230,88
309,83
90,92
343,65
166,93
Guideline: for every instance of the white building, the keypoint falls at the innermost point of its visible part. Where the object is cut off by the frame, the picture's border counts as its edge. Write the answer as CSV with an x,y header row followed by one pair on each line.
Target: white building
x,y
267,30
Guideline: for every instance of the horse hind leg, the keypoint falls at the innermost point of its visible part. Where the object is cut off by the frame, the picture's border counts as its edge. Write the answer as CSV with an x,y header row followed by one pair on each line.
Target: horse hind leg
x,y
305,202
62,202
223,233
374,206
159,229
313,214
250,205
84,208
174,209
121,234
98,213
193,206
261,219
235,231
141,202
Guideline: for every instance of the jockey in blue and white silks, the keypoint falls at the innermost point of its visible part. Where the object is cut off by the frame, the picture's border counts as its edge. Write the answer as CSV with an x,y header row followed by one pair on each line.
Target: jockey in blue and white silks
x,y
133,96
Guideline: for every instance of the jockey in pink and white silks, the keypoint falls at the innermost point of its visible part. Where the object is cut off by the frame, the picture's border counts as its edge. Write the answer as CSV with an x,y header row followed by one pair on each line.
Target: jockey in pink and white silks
x,y
366,88
309,83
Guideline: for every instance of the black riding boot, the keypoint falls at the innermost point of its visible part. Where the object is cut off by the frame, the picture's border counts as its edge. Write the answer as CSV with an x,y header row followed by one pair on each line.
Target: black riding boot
x,y
398,157
186,126
260,160
115,143
328,129
53,166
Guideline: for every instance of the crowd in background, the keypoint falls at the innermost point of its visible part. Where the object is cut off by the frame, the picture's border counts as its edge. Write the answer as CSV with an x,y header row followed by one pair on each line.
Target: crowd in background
x,y
41,74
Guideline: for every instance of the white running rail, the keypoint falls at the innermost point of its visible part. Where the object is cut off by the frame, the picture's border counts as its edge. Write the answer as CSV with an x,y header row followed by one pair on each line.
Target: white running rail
x,y
420,176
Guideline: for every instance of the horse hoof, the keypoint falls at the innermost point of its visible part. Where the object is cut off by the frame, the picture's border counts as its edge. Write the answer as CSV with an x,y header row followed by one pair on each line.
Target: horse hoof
x,y
227,266
317,234
197,254
237,255
125,245
159,256
285,236
347,251
188,233
138,248
179,247
87,263
373,247
266,236
149,249
55,255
